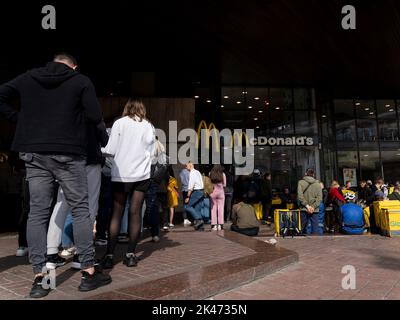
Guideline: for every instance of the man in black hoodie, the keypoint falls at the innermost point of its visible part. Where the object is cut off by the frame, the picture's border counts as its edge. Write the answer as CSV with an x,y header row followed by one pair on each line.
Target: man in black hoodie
x,y
56,102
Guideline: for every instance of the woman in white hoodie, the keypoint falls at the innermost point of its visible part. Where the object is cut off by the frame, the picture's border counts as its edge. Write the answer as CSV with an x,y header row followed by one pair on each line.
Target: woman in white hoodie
x,y
131,145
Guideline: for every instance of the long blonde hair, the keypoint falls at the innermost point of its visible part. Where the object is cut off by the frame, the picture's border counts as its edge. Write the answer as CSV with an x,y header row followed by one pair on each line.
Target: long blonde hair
x,y
135,108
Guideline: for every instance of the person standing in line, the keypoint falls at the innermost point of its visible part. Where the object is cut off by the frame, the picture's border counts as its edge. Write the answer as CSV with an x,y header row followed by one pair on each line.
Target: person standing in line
x,y
173,196
195,196
131,144
266,196
156,195
309,195
184,177
97,138
56,103
230,179
218,179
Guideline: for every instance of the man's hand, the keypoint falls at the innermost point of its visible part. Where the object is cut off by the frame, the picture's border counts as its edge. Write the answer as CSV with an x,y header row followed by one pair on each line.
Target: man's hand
x,y
187,200
310,209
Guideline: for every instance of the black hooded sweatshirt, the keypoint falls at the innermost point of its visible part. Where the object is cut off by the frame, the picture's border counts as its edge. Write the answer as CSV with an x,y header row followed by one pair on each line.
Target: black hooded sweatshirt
x,y
59,108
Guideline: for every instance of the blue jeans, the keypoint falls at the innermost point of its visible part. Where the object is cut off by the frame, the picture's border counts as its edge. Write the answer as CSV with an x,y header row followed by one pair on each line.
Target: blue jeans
x,y
310,222
205,209
68,234
195,204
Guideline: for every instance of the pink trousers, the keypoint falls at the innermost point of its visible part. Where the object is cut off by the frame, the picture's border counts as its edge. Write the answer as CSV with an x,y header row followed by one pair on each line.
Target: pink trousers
x,y
217,205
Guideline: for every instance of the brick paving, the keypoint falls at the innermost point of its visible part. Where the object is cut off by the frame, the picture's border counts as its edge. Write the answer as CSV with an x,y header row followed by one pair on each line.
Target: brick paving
x,y
176,253
318,273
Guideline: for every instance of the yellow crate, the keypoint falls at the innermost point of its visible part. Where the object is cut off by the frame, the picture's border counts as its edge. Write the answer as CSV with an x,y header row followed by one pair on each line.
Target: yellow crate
x,y
367,215
380,220
278,213
391,222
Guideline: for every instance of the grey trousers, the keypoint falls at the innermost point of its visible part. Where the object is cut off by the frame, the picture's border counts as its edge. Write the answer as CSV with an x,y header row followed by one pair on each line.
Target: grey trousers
x,y
42,170
61,209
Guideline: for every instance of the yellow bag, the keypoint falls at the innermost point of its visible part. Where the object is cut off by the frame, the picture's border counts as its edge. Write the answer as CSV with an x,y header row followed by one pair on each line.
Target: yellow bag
x,y
258,208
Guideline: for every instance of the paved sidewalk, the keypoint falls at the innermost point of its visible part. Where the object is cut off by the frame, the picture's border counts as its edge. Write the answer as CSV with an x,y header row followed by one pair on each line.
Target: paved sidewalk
x,y
185,264
318,273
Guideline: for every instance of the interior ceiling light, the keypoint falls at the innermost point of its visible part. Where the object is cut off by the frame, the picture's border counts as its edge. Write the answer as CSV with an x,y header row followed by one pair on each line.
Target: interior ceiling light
x,y
208,101
323,116
255,119
371,113
196,97
258,128
222,106
277,108
250,107
244,92
365,155
391,110
260,111
358,103
238,102
366,109
387,106
226,97
256,98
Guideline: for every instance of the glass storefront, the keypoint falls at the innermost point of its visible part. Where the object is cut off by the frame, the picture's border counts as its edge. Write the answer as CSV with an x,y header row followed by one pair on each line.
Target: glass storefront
x,y
366,139
278,113
351,139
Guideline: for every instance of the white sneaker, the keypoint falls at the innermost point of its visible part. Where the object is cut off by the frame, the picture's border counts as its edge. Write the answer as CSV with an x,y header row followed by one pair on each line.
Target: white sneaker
x,y
67,253
156,239
165,228
186,222
219,227
22,252
215,228
171,225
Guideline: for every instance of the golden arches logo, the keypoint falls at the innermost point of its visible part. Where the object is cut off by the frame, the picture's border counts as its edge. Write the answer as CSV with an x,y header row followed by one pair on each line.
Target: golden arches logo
x,y
239,136
236,135
203,126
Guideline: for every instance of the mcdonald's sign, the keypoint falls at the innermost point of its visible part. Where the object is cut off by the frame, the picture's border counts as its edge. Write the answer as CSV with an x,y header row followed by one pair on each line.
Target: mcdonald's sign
x,y
203,126
239,136
236,135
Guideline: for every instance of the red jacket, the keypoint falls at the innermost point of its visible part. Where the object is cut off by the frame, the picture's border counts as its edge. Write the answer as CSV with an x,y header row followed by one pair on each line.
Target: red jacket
x,y
334,193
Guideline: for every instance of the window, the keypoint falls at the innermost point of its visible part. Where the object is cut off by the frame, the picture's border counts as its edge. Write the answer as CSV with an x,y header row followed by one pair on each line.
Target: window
x,y
281,98
303,99
345,123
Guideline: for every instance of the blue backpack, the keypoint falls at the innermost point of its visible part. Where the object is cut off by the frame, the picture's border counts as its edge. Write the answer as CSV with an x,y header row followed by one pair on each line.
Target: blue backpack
x,y
352,219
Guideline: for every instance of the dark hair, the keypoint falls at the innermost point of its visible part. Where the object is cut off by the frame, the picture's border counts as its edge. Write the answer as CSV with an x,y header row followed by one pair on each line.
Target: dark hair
x,y
310,172
67,57
217,174
266,175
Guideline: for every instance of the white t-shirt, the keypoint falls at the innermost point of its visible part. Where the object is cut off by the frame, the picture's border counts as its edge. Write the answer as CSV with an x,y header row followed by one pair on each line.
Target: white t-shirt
x,y
195,180
131,145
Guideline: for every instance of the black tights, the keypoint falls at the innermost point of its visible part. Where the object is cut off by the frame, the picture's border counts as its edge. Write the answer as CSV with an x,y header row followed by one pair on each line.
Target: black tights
x,y
135,220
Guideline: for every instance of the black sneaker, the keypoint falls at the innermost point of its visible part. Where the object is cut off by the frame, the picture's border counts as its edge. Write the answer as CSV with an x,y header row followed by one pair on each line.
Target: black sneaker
x,y
107,262
131,260
37,290
94,281
199,225
54,261
75,263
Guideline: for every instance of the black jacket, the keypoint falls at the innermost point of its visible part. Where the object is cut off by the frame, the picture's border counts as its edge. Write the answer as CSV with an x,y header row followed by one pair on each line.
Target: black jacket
x,y
56,105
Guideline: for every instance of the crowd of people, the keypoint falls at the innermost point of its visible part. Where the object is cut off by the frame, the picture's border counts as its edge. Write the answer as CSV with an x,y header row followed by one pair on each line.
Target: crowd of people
x,y
86,185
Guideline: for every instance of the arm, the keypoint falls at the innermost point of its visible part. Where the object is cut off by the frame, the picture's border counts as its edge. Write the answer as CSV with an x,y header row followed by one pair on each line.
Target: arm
x,y
101,133
317,199
111,148
8,91
91,104
224,179
300,195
